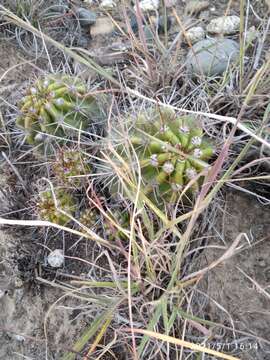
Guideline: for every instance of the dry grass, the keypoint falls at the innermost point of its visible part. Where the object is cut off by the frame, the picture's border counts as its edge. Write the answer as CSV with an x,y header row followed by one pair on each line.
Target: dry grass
x,y
141,288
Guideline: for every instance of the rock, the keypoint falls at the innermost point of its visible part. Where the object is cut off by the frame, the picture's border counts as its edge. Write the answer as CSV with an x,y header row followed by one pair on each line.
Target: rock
x,y
107,4
194,7
163,22
56,258
212,56
226,25
2,293
103,26
86,17
194,34
148,5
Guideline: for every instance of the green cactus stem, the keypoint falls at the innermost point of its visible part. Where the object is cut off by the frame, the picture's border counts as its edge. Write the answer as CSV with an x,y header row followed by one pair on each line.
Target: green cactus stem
x,y
172,152
56,105
47,210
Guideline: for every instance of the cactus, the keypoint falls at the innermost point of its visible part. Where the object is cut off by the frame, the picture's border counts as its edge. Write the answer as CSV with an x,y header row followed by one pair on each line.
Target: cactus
x,y
47,210
92,219
56,105
171,150
70,166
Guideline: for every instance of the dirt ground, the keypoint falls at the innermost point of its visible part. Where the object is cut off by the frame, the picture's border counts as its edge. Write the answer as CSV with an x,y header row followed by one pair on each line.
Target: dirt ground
x,y
237,291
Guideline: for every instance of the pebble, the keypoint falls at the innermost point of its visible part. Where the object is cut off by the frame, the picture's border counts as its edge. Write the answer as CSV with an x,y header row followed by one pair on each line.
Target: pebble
x,y
212,56
194,7
148,5
19,338
103,26
194,34
86,17
2,293
56,258
226,25
107,4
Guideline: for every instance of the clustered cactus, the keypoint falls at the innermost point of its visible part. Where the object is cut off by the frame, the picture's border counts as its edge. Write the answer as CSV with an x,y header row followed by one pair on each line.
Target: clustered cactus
x,y
171,150
47,210
56,105
94,220
70,167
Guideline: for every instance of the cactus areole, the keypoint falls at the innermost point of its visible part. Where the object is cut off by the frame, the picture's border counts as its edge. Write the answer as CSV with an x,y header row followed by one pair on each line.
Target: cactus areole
x,y
172,154
57,105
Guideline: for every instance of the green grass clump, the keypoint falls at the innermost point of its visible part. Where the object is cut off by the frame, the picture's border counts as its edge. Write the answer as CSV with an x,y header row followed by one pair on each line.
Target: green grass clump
x,y
172,151
50,208
56,105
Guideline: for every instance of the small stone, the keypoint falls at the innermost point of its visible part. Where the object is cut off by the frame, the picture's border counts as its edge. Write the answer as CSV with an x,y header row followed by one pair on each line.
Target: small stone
x,y
148,5
18,283
86,17
226,25
56,258
2,293
194,34
19,338
107,4
212,56
103,26
194,7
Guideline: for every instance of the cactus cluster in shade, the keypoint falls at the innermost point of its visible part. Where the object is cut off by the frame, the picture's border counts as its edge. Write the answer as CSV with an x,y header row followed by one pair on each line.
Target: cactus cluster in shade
x,y
56,105
47,210
94,220
70,167
172,151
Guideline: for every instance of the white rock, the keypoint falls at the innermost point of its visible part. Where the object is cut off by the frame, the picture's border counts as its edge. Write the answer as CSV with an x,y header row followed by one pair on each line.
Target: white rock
x,y
19,338
2,293
107,4
226,25
194,34
148,5
56,258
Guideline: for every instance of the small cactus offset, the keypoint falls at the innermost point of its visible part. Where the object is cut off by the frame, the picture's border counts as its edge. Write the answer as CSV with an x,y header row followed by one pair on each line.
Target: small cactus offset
x,y
94,220
47,210
70,167
171,150
56,105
